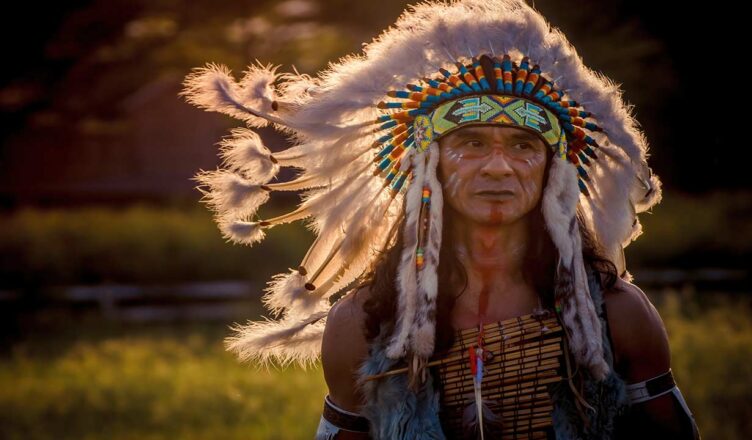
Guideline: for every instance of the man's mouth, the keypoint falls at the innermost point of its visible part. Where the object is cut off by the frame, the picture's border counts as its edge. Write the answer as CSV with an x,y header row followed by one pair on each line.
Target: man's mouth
x,y
493,193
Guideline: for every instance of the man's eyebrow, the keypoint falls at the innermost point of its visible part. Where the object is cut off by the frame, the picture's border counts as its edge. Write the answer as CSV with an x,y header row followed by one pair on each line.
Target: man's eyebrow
x,y
524,136
468,133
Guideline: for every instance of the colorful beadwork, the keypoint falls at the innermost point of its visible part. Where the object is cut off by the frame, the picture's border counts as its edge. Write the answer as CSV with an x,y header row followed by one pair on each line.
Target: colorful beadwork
x,y
507,94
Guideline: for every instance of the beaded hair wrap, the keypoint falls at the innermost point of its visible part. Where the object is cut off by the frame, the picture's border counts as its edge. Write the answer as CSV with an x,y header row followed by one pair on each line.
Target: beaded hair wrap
x,y
367,166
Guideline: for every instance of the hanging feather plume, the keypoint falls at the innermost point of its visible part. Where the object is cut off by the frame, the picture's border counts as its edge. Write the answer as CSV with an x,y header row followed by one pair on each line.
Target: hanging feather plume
x,y
246,154
231,195
354,254
288,340
249,233
241,232
383,238
322,154
492,422
287,290
331,205
354,213
346,252
360,246
256,87
316,181
213,88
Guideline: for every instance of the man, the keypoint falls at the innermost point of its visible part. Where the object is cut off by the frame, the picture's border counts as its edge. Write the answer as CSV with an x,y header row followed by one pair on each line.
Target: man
x,y
452,172
495,176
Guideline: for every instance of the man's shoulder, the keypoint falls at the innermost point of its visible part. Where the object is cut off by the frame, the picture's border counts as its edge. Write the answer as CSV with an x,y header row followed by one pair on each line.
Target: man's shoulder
x,y
638,332
627,299
344,347
347,314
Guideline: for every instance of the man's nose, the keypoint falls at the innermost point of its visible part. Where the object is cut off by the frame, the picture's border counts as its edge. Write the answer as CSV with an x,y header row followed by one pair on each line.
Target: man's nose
x,y
497,164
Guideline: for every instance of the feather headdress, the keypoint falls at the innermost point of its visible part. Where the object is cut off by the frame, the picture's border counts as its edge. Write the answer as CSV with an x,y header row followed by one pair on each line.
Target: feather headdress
x,y
368,164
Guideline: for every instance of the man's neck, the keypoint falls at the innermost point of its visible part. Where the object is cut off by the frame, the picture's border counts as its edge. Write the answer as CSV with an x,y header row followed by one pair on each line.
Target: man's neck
x,y
499,246
493,255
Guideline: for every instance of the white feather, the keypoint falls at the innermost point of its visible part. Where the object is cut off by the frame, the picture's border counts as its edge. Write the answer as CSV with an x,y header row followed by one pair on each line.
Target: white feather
x,y
246,153
213,88
292,339
287,290
242,232
230,195
257,86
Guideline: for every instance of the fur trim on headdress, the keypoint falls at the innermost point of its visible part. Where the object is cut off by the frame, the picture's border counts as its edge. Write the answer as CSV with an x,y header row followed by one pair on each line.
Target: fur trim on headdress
x,y
407,276
424,327
560,200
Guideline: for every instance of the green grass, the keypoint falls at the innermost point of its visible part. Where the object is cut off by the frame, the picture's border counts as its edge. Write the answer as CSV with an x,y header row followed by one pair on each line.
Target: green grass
x,y
91,381
157,383
711,350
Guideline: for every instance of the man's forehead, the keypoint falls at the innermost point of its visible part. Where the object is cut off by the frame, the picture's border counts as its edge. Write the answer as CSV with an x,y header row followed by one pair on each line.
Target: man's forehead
x,y
494,130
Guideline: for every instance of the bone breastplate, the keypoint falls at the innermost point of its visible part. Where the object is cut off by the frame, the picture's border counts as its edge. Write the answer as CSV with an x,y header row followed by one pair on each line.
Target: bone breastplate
x,y
525,356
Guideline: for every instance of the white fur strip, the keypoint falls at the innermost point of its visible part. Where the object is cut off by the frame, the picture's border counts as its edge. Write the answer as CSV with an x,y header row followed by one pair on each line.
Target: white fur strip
x,y
406,273
571,320
559,210
559,205
593,355
424,327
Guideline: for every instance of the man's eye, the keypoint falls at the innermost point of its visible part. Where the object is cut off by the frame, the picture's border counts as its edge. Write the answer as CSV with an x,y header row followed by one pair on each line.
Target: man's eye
x,y
523,146
474,143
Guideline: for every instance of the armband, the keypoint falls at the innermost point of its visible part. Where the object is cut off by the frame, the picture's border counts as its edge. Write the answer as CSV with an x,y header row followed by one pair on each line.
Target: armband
x,y
651,388
334,419
658,386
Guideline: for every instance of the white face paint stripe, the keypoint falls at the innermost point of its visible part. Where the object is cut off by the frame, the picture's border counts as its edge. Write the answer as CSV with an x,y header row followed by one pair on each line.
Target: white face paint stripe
x,y
452,184
454,155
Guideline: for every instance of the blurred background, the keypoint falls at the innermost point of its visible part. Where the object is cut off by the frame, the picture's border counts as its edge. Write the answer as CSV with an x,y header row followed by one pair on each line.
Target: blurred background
x,y
116,288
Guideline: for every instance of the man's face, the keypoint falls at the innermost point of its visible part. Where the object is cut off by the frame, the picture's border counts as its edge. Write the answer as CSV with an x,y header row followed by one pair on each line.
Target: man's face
x,y
492,174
